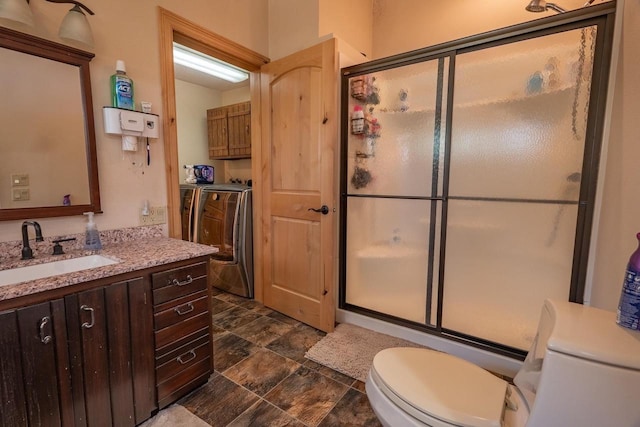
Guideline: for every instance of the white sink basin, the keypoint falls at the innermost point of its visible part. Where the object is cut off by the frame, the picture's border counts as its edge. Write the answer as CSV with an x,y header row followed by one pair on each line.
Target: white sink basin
x,y
55,268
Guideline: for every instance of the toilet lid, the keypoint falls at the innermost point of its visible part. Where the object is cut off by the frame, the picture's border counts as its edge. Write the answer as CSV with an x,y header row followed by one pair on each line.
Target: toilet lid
x,y
428,383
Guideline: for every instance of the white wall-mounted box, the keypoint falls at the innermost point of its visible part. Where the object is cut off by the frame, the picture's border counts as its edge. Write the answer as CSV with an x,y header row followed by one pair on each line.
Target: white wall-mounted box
x,y
119,121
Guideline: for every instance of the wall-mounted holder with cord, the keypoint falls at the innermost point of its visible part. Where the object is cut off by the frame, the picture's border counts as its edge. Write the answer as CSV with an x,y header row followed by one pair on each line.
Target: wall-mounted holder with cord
x,y
131,125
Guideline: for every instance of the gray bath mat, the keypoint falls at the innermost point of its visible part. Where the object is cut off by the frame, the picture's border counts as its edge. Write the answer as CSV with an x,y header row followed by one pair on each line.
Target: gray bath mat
x,y
350,349
175,416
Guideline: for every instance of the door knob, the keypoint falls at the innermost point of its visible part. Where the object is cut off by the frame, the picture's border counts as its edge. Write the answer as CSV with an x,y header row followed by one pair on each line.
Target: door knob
x,y
323,210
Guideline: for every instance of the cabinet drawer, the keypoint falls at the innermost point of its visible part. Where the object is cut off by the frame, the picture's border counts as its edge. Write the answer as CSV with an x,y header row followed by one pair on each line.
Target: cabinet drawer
x,y
180,309
177,282
182,358
179,330
184,382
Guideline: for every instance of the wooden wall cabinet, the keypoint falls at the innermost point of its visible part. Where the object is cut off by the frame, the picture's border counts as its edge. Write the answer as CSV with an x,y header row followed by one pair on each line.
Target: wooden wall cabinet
x,y
91,357
230,131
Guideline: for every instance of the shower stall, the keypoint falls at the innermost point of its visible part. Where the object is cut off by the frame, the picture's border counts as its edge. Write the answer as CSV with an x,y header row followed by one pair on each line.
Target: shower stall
x,y
468,178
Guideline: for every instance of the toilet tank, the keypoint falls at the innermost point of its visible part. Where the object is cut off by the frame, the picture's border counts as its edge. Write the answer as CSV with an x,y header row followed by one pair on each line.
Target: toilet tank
x,y
582,369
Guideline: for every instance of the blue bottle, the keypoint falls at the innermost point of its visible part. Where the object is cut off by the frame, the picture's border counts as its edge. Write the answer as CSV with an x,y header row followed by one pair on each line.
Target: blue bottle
x,y
629,307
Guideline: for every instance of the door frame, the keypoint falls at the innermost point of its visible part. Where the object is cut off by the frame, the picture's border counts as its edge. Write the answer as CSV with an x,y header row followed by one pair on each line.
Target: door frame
x,y
174,27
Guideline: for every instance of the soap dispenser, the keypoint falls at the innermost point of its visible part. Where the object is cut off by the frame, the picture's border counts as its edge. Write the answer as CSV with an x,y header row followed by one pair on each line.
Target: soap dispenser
x,y
92,237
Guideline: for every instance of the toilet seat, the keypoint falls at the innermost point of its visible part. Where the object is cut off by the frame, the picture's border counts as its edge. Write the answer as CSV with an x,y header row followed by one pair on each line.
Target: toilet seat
x,y
431,385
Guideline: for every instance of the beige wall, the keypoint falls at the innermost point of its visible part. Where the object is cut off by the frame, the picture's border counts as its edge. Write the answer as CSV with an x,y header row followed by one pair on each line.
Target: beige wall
x,y
235,96
192,103
404,25
125,180
293,25
351,21
620,215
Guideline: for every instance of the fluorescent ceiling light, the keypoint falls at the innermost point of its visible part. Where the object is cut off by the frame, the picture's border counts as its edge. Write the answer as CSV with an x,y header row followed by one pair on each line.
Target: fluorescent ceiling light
x,y
198,61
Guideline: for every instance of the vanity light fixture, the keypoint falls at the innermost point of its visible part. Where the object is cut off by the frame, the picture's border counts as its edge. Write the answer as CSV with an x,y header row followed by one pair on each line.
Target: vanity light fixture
x,y
74,26
542,6
16,10
204,63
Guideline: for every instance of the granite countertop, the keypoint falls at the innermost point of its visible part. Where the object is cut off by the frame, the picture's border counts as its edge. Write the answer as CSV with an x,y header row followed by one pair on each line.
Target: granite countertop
x,y
131,255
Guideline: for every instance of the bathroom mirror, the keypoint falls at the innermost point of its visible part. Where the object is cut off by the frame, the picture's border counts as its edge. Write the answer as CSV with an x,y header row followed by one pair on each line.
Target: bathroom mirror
x,y
48,163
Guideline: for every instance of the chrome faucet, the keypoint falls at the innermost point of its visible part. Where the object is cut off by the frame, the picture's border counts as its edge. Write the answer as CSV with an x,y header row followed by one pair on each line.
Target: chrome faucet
x,y
27,253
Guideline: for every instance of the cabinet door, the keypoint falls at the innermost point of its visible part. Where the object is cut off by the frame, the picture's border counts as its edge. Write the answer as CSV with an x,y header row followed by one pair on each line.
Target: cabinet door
x,y
142,348
239,127
35,386
89,357
37,345
218,135
14,406
111,345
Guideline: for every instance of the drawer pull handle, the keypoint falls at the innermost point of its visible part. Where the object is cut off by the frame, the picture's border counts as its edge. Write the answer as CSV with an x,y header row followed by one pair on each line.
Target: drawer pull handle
x,y
184,309
189,280
88,325
191,354
44,339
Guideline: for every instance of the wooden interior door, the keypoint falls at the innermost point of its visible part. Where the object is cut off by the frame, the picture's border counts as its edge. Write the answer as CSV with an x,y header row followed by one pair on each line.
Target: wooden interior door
x,y
299,147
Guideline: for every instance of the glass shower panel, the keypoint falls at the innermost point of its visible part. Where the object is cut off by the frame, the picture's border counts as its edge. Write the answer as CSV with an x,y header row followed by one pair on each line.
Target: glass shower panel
x,y
396,120
502,260
519,117
387,256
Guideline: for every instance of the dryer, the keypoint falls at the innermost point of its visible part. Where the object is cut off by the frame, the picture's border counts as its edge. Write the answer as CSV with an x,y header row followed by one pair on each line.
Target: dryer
x,y
220,215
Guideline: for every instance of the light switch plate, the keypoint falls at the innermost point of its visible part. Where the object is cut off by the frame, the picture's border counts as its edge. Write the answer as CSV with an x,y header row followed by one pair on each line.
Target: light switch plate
x,y
20,194
20,180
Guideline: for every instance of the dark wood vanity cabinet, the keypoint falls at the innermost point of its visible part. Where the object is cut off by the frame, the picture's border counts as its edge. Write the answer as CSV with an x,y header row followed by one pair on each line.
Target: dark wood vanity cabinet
x,y
109,354
182,319
86,356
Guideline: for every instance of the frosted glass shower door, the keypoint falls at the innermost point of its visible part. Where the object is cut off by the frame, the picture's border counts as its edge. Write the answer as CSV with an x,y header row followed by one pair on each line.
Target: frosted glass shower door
x,y
394,187
517,148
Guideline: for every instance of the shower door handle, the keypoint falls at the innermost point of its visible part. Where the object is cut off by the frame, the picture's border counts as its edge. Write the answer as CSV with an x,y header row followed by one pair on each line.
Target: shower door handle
x,y
324,209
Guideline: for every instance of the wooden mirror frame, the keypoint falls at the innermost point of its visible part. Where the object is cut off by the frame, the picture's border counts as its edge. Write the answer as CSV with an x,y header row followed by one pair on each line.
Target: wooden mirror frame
x,y
47,49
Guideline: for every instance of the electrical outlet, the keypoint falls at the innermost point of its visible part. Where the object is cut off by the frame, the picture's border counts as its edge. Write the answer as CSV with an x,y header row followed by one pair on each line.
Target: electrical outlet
x,y
157,215
20,194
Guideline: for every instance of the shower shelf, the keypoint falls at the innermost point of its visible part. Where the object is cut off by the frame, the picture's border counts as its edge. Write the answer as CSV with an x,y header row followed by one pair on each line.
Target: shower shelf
x,y
489,102
561,91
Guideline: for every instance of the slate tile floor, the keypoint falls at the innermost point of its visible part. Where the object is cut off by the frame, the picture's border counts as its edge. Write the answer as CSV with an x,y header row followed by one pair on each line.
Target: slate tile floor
x,y
262,378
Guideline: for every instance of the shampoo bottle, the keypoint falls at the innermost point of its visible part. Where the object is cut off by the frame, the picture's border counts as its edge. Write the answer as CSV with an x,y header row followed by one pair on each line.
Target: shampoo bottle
x,y
629,307
92,237
121,88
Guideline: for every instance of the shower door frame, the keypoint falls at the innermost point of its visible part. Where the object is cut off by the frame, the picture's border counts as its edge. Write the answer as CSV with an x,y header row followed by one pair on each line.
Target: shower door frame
x,y
601,16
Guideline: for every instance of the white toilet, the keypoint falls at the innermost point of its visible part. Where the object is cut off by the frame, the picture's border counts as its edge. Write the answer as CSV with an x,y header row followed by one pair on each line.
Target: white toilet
x,y
583,370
